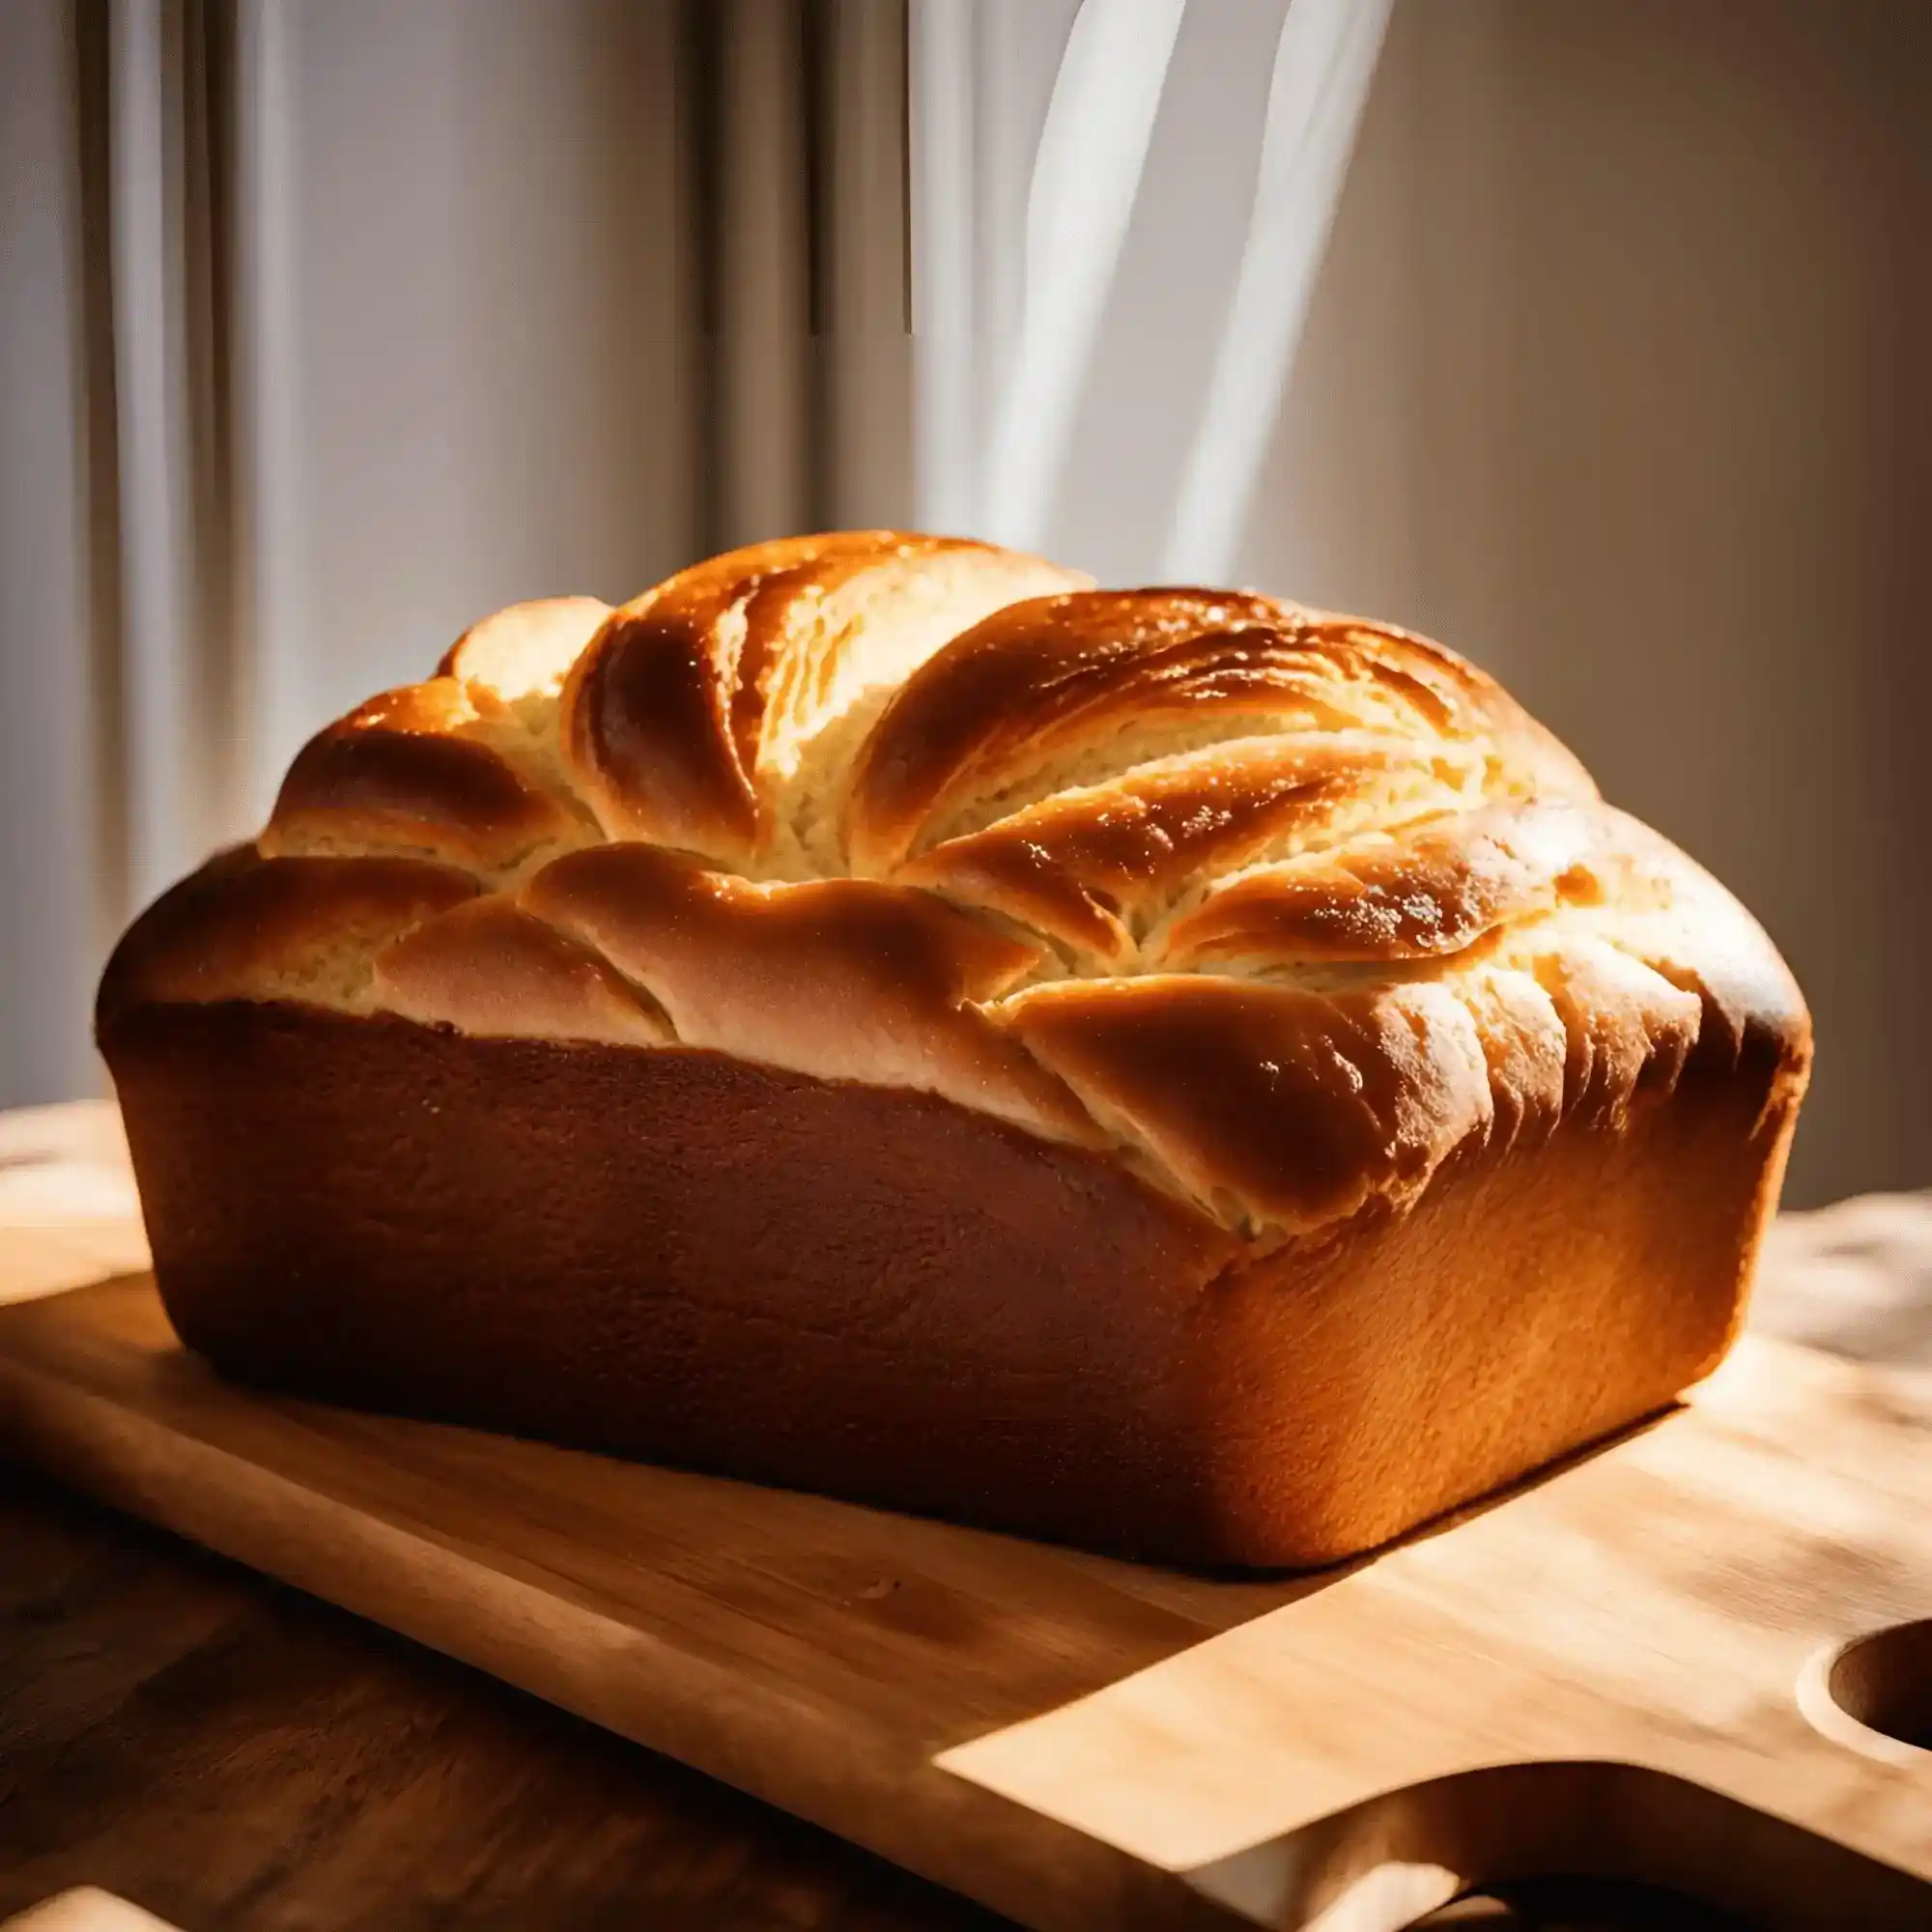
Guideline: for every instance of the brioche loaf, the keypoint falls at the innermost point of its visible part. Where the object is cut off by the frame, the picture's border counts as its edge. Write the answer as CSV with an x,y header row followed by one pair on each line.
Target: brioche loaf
x,y
1162,1069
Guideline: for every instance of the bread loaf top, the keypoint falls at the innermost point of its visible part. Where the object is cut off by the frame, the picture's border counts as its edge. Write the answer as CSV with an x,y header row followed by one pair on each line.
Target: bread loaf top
x,y
1284,908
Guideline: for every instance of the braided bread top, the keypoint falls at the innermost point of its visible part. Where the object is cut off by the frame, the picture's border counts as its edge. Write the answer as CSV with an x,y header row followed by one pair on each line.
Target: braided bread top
x,y
1282,908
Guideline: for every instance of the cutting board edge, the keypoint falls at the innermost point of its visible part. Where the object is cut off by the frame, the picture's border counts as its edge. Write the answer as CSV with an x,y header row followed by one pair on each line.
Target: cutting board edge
x,y
120,1457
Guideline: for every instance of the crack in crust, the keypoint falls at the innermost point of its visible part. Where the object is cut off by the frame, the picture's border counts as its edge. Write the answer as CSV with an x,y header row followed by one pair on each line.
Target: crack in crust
x,y
1284,908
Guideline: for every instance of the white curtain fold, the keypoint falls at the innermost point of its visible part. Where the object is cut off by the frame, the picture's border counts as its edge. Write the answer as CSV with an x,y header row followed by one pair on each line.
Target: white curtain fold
x,y
1118,235
183,758
1325,63
1085,176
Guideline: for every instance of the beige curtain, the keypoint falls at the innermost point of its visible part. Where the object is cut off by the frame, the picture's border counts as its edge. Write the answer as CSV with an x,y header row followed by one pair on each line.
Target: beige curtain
x,y
330,325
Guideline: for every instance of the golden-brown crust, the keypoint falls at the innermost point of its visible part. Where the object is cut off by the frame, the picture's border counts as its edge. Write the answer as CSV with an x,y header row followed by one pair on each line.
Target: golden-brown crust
x,y
1093,870
1656,904
1432,891
1283,944
846,979
1537,1298
486,967
244,927
1276,1105
435,770
1009,709
1361,853
682,1255
525,648
856,1289
693,691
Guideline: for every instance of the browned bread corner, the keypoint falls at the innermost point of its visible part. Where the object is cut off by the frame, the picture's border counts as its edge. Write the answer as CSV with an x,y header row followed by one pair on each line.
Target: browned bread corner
x,y
1159,1068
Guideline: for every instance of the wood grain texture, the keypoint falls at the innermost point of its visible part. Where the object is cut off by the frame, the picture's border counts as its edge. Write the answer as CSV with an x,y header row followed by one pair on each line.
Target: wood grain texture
x,y
202,1739
1608,1662
1597,1674
237,1757
86,1909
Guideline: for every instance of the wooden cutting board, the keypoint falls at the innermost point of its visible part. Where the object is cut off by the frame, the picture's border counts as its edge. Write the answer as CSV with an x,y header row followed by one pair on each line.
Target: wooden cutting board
x,y
1621,1669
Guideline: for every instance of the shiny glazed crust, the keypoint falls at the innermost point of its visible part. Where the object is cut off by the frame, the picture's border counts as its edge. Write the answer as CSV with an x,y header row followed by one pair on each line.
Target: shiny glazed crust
x,y
1157,1068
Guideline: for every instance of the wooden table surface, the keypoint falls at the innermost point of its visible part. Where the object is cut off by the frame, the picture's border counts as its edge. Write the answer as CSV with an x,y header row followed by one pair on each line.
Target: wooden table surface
x,y
229,1753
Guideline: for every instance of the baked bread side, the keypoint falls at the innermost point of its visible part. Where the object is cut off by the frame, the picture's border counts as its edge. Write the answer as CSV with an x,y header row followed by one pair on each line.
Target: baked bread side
x,y
1159,1068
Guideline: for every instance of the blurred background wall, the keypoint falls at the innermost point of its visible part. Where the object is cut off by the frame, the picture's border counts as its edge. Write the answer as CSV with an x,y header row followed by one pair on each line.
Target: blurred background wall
x,y
326,326
1620,379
